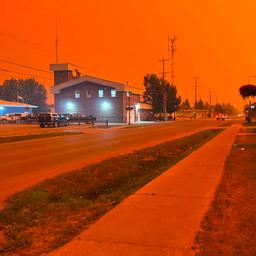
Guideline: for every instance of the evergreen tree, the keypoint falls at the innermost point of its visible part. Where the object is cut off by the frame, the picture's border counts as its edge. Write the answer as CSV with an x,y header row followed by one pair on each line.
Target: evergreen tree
x,y
154,92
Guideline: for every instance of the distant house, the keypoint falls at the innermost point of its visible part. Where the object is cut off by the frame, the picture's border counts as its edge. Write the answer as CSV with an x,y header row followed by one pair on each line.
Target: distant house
x,y
87,95
8,107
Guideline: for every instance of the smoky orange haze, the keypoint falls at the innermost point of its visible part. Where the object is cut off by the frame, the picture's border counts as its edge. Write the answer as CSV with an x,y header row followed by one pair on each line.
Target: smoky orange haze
x,y
123,40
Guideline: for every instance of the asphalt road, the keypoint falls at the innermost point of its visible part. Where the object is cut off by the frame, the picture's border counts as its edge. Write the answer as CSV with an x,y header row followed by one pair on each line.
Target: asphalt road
x,y
24,163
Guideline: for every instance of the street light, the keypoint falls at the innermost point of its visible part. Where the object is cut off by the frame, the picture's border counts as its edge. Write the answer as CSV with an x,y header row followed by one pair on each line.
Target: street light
x,y
129,108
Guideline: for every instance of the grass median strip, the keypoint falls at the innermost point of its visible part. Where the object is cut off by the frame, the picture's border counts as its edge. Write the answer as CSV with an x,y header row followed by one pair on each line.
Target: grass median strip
x,y
17,138
51,213
230,223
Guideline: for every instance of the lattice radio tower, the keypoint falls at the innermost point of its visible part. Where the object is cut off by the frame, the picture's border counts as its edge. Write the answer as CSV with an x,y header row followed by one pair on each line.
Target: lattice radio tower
x,y
172,50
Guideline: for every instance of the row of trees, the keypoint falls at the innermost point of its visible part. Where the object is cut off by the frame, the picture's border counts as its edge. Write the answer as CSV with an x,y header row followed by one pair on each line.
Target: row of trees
x,y
154,94
154,90
225,108
26,90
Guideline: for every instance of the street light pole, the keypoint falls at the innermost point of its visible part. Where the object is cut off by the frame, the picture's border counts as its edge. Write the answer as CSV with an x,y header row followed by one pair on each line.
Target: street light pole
x,y
129,106
129,109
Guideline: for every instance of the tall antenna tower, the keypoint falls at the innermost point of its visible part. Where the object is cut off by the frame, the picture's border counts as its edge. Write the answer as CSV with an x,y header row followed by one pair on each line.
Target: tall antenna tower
x,y
172,50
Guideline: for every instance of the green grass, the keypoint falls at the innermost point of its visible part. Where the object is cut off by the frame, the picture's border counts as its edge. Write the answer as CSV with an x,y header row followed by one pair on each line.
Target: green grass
x,y
229,224
17,138
54,211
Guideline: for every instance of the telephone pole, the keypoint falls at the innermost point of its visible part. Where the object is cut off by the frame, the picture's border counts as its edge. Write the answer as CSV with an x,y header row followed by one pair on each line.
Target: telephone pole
x,y
163,60
196,86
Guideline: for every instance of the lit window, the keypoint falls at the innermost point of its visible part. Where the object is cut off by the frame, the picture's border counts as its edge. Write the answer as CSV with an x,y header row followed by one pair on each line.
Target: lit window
x,y
88,94
113,93
101,93
77,94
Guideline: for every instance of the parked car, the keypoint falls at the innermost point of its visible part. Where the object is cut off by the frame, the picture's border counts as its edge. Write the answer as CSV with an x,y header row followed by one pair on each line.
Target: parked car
x,y
11,117
52,119
77,118
221,116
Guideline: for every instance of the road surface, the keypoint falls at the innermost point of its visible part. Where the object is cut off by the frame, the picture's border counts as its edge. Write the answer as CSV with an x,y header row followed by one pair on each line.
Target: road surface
x,y
25,163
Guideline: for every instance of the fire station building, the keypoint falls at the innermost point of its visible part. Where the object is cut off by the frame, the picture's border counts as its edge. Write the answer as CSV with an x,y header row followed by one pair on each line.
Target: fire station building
x,y
87,95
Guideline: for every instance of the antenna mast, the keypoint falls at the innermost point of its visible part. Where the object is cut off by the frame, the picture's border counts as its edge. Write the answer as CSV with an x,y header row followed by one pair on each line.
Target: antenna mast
x,y
172,50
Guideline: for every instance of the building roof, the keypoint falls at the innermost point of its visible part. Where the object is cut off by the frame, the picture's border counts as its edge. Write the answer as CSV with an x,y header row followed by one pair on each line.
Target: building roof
x,y
5,103
118,86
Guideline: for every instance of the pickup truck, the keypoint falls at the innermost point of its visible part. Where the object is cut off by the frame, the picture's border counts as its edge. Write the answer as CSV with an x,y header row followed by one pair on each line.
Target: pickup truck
x,y
52,119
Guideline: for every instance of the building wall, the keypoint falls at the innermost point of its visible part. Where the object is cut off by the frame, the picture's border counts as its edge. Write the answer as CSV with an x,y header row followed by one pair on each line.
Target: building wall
x,y
134,100
106,108
62,76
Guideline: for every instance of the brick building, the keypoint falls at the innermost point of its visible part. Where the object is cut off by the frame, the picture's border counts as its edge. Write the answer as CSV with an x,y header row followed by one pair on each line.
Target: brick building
x,y
87,95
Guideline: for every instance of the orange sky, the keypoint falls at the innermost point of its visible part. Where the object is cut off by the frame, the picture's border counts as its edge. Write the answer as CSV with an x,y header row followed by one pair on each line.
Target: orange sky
x,y
123,40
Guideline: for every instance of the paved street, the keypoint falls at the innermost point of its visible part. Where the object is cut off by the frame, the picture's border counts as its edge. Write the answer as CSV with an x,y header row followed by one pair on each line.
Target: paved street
x,y
25,163
161,218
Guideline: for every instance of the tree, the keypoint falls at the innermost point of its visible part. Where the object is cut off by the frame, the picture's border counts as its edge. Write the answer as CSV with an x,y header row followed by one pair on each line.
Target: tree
x,y
225,109
154,91
200,104
9,90
172,100
31,91
219,109
185,105
247,91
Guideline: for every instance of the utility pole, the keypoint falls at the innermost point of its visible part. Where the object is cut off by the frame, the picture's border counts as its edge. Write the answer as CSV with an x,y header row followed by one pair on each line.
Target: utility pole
x,y
196,86
163,60
172,50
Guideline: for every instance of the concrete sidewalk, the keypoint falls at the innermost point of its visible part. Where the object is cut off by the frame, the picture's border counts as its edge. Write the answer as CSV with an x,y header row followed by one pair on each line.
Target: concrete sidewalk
x,y
161,218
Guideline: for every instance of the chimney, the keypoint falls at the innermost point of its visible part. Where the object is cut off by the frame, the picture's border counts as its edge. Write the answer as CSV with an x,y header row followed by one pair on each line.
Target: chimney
x,y
63,72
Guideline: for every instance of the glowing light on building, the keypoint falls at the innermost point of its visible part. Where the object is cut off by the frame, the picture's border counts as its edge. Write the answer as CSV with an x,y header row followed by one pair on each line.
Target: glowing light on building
x,y
106,106
70,106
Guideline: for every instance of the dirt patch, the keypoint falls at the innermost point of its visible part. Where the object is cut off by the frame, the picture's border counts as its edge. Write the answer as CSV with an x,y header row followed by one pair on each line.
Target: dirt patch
x,y
51,213
229,225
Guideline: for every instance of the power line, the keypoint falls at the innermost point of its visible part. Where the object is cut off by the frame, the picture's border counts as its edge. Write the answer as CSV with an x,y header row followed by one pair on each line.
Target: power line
x,y
15,38
30,8
136,88
21,73
24,66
